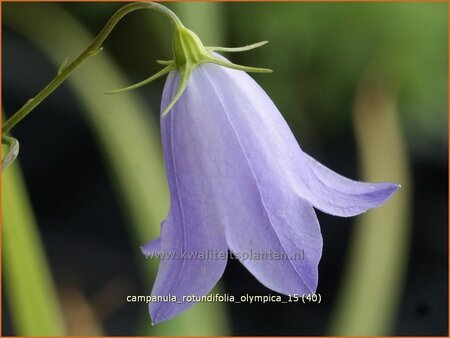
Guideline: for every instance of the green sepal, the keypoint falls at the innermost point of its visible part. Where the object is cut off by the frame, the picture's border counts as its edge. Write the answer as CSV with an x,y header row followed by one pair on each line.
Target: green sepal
x,y
188,53
164,62
184,77
237,49
232,65
162,72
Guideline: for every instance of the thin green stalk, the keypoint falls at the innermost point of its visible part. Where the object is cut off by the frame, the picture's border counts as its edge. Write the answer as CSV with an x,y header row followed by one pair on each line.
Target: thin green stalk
x,y
93,49
29,287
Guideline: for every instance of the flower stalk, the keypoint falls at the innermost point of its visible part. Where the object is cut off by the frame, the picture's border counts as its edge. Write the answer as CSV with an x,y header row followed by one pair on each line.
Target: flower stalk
x,y
95,48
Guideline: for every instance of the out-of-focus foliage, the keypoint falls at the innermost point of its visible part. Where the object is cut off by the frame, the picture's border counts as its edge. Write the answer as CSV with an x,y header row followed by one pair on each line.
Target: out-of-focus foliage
x,y
319,51
27,278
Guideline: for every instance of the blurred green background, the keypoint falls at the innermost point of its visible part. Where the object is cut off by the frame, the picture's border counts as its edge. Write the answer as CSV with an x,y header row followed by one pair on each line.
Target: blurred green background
x,y
363,87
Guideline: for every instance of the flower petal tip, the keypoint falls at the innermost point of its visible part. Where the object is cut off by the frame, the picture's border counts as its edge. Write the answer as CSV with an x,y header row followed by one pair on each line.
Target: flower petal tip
x,y
393,187
383,193
151,248
337,195
163,311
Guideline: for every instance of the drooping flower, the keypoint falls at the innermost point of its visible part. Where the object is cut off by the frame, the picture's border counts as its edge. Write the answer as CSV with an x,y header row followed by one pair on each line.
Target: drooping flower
x,y
238,181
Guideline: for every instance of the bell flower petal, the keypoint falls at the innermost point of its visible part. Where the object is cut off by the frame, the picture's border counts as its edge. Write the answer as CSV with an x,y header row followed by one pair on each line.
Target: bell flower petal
x,y
239,180
337,195
270,221
271,144
192,226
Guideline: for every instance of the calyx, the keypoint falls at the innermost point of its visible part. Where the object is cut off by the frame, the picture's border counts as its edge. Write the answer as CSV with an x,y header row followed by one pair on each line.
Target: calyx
x,y
188,53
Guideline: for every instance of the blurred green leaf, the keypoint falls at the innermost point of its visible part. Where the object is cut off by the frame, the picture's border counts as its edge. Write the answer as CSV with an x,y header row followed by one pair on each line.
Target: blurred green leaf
x,y
372,285
319,50
28,280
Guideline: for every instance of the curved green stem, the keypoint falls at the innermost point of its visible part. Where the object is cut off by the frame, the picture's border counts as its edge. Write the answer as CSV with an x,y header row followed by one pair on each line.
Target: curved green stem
x,y
65,71
371,289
